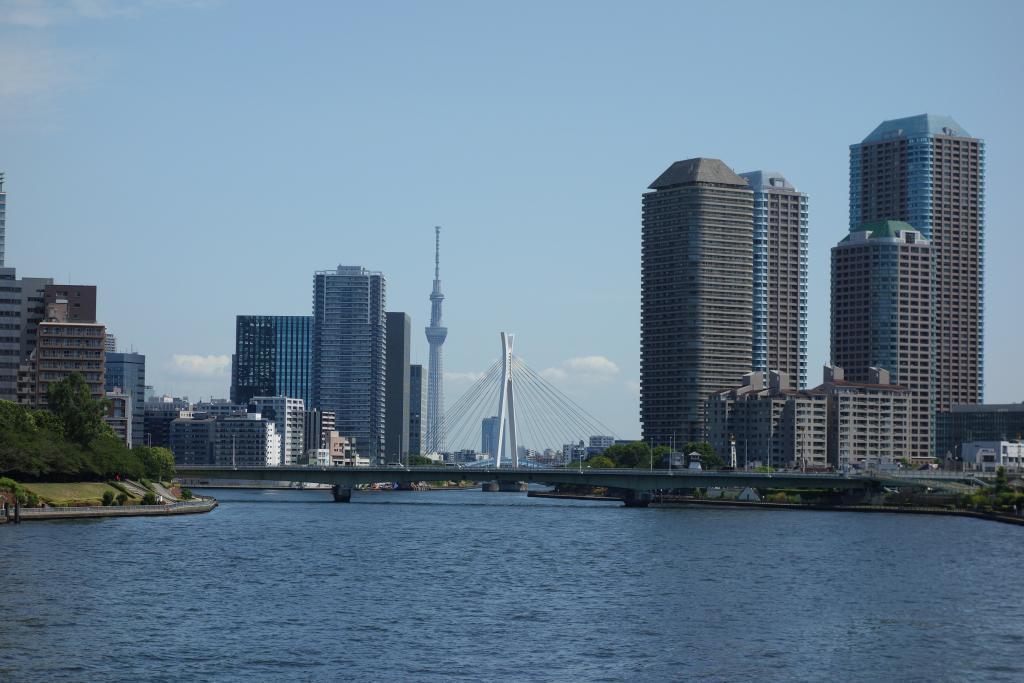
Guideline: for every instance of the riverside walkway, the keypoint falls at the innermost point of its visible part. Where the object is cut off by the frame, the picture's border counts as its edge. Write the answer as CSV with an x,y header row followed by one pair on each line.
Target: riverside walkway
x,y
179,508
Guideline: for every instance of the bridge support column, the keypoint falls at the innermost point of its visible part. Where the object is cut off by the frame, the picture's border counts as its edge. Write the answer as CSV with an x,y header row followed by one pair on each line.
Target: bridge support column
x,y
636,499
341,494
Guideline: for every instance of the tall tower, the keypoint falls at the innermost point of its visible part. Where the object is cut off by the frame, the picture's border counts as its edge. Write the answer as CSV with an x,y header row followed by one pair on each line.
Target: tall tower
x,y
780,276
436,333
928,171
696,295
3,218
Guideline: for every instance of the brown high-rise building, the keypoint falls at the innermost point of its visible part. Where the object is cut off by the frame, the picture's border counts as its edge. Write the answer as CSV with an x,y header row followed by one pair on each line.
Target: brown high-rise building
x,y
929,172
882,303
81,301
695,295
63,348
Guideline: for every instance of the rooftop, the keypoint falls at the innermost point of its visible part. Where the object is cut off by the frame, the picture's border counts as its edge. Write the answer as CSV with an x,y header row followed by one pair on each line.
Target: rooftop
x,y
883,230
917,126
699,170
767,179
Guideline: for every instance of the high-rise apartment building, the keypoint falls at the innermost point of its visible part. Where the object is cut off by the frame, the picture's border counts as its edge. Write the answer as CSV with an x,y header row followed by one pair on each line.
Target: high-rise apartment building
x,y
396,387
882,303
272,357
318,425
696,306
3,220
780,276
868,422
81,301
289,418
62,349
929,172
417,410
21,311
127,372
110,344
348,359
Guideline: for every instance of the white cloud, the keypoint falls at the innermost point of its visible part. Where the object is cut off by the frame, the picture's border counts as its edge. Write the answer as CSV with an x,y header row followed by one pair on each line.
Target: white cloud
x,y
44,13
31,70
200,366
582,369
462,377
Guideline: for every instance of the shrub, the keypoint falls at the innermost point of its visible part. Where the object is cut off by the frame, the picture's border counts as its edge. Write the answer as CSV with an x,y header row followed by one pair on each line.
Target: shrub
x,y
122,498
146,483
149,498
108,498
186,494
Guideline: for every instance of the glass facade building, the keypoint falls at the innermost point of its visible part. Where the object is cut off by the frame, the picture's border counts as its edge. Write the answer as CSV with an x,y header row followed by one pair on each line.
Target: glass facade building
x,y
272,357
348,356
127,371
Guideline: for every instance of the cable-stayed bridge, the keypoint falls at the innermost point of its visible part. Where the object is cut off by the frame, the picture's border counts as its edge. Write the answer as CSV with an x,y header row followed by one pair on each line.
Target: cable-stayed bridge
x,y
533,415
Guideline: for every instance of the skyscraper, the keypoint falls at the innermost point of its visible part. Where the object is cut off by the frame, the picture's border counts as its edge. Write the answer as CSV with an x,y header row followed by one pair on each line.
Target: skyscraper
x,y
882,317
348,359
127,372
21,311
696,295
272,357
929,172
417,410
780,276
3,219
490,428
396,388
436,333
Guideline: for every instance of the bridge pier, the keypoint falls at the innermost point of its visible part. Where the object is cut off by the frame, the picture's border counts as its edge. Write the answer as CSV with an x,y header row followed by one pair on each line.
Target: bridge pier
x,y
503,486
636,499
342,494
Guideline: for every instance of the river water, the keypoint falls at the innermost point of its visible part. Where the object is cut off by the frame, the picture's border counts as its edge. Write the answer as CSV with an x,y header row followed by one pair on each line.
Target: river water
x,y
466,585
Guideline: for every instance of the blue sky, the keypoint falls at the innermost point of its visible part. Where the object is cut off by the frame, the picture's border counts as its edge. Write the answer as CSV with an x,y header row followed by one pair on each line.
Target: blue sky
x,y
198,160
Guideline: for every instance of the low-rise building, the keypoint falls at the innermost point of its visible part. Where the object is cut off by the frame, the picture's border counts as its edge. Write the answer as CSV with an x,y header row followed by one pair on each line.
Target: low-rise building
x,y
342,452
191,439
247,440
988,456
770,423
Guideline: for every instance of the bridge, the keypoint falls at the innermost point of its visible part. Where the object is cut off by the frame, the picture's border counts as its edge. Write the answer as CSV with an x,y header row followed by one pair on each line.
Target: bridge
x,y
635,485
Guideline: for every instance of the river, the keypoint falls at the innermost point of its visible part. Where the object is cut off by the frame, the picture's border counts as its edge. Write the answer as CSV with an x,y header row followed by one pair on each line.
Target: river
x,y
466,585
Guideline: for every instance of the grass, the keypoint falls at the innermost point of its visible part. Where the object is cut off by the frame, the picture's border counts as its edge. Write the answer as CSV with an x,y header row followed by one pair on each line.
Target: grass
x,y
70,495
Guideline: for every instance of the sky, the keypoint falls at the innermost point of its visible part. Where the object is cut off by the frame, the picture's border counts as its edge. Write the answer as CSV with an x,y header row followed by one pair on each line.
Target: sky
x,y
197,159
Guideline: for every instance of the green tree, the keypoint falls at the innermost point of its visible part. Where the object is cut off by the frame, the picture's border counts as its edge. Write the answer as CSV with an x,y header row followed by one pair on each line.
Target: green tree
x,y
122,498
601,462
108,497
1001,481
80,414
157,463
149,498
419,461
629,455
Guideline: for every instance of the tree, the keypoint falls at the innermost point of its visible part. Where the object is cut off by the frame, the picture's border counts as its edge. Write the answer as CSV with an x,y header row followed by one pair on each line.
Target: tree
x,y
1001,481
602,462
121,498
629,455
419,460
709,459
79,412
158,463
108,497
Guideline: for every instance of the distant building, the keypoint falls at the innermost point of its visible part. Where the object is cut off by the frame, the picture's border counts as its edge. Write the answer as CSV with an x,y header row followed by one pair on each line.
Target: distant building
x,y
349,347
882,311
62,349
868,422
127,371
3,219
490,428
110,345
157,418
80,299
696,300
288,415
21,311
396,387
780,276
343,453
988,456
600,443
247,440
220,407
574,452
770,422
119,415
272,357
191,439
417,410
989,422
318,425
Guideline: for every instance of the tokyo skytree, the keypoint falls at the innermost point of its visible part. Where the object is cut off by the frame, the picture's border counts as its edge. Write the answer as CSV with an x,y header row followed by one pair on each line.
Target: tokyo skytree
x,y
436,333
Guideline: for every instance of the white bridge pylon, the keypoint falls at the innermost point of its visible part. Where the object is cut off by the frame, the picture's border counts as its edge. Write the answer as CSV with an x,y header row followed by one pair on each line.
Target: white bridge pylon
x,y
507,404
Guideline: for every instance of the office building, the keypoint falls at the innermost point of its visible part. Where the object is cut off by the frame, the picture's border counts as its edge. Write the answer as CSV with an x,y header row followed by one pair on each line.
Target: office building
x,y
158,414
928,171
868,422
191,439
3,220
127,371
289,418
992,422
882,316
780,276
771,423
21,311
220,407
247,440
318,424
119,415
396,387
417,410
80,299
490,428
62,348
348,360
696,303
272,357
989,456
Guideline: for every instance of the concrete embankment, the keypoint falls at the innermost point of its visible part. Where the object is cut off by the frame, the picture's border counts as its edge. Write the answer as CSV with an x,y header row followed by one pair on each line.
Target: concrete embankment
x,y
179,508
